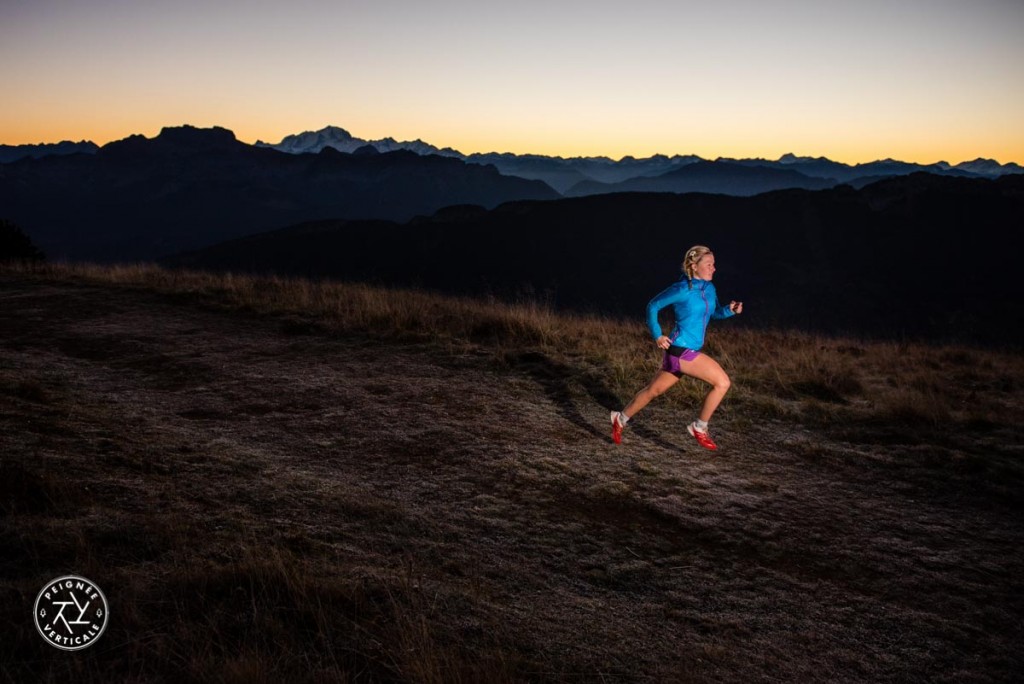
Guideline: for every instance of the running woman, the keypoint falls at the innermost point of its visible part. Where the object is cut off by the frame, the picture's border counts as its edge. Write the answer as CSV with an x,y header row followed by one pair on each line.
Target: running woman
x,y
694,302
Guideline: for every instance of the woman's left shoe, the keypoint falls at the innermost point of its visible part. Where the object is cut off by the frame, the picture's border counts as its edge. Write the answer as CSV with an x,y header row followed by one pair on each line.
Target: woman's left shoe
x,y
616,428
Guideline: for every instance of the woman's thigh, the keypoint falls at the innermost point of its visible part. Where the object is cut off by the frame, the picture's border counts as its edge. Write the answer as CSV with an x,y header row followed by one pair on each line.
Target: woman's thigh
x,y
704,368
661,382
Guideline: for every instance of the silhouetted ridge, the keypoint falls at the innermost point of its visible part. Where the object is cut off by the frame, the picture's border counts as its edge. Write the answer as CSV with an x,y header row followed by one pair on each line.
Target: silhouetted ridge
x,y
366,151
140,198
715,177
890,259
189,136
180,140
12,153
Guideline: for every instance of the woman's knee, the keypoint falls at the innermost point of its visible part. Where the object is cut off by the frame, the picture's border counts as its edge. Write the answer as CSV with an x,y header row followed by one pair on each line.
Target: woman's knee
x,y
723,383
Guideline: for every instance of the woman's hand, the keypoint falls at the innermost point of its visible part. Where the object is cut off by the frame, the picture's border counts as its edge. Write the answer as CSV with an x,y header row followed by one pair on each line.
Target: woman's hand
x,y
736,307
663,342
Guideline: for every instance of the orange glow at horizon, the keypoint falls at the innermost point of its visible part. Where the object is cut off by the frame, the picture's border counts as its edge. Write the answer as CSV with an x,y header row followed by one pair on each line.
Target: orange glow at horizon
x,y
865,148
920,81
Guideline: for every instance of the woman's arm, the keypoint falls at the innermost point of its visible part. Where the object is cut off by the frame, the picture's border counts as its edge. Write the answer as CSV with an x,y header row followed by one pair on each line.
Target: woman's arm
x,y
665,298
721,311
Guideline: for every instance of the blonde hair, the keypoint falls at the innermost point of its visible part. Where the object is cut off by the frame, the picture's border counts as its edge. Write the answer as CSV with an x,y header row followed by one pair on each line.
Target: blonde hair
x,y
693,255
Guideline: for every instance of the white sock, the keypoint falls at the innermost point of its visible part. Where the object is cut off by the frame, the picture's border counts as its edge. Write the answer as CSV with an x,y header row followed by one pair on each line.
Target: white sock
x,y
623,419
700,425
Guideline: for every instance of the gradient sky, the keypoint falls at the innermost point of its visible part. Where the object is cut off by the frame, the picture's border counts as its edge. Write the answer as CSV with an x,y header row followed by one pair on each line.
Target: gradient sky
x,y
918,80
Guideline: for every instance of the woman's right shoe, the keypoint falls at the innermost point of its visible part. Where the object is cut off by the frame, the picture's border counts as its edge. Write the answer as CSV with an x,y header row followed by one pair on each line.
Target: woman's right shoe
x,y
703,438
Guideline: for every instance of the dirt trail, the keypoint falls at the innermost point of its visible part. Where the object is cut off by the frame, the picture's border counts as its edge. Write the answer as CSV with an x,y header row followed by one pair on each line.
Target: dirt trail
x,y
786,556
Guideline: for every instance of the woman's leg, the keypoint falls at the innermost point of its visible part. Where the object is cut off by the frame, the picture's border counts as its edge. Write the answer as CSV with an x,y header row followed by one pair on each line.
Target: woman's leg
x,y
661,382
707,369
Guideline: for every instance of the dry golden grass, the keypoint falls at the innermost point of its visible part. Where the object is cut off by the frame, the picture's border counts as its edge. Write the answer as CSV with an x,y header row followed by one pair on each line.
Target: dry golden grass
x,y
915,381
279,480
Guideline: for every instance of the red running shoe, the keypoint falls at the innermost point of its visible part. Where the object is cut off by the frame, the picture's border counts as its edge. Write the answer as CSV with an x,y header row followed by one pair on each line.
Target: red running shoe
x,y
616,428
703,438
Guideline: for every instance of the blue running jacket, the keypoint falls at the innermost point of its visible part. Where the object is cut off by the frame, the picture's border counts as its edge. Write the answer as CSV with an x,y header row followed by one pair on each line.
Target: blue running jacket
x,y
693,308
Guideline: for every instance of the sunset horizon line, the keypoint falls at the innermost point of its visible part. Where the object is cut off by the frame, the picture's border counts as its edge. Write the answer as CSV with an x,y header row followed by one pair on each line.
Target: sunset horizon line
x,y
250,139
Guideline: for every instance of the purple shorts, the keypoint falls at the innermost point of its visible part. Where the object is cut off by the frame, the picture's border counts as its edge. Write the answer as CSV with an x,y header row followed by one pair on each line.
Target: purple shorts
x,y
673,356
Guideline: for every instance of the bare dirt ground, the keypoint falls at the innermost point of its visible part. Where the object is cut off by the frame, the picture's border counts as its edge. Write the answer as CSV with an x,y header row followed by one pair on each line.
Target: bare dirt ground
x,y
444,515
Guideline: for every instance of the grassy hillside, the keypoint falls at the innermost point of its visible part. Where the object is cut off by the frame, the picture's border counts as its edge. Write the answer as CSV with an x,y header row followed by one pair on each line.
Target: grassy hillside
x,y
886,261
274,480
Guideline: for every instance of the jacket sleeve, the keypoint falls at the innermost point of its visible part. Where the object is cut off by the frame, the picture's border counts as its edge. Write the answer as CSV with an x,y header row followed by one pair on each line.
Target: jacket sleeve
x,y
718,311
665,298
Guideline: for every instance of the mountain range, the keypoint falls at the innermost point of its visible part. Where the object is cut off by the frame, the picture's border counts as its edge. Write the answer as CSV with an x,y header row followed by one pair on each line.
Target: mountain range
x,y
564,173
141,198
583,175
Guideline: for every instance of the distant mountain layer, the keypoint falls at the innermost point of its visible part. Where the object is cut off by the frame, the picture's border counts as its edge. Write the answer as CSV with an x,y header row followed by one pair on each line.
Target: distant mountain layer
x,y
578,175
564,174
557,172
898,257
713,177
12,153
141,198
343,141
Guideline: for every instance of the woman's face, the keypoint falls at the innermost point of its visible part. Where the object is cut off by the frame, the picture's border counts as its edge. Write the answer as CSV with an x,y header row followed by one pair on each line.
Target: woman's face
x,y
705,268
